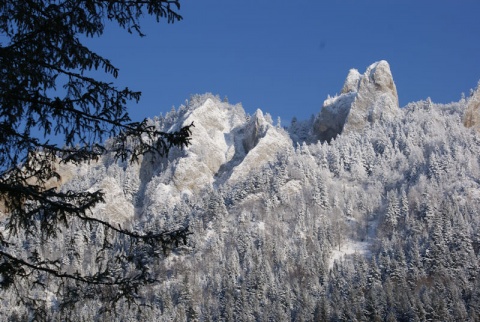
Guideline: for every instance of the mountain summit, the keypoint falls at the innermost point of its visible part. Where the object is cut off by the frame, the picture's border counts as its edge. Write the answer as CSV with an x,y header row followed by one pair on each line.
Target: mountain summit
x,y
472,113
226,144
363,100
286,227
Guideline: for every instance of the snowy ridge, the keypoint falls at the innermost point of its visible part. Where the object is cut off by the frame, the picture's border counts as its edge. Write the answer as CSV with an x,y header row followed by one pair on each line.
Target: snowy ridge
x,y
225,146
372,216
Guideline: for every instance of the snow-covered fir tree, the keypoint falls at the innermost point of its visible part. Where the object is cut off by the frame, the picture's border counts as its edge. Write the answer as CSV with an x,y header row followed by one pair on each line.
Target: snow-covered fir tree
x,y
374,219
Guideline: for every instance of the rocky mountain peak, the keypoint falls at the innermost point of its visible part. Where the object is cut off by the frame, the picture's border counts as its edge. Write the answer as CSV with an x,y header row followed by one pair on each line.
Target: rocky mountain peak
x,y
226,144
472,112
363,100
351,83
255,129
380,75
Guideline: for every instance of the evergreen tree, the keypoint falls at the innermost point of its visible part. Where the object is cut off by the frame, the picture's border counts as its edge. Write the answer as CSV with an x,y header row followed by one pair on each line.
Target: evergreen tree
x,y
43,50
393,211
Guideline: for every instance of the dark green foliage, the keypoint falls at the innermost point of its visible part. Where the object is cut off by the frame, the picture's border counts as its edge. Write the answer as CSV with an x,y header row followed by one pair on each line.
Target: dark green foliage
x,y
48,93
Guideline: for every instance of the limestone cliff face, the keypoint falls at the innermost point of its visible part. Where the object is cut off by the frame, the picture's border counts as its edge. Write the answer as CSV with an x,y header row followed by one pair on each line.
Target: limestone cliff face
x,y
376,98
212,143
255,129
472,112
363,100
331,120
226,145
261,142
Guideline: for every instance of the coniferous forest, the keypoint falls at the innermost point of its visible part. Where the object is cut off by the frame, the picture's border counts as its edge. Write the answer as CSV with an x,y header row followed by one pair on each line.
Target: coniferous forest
x,y
364,212
380,224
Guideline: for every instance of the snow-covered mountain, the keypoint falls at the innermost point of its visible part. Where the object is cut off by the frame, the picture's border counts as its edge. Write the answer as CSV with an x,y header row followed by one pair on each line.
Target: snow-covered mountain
x,y
226,144
367,212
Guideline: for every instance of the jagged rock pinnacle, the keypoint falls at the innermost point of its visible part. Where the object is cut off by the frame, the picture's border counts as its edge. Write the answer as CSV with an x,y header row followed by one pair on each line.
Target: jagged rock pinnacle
x,y
364,99
472,113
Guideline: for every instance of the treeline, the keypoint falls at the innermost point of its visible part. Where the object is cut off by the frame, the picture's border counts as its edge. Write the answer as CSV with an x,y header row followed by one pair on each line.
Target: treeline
x,y
262,248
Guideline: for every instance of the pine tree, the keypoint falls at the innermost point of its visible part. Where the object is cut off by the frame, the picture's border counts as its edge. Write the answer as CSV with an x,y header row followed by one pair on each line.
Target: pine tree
x,y
393,211
43,49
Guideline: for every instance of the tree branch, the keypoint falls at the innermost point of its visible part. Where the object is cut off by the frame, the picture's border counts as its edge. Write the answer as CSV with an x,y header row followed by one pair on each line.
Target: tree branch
x,y
92,280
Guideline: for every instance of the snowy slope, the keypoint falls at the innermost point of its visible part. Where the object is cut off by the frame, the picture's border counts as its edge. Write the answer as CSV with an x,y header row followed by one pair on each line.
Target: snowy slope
x,y
313,229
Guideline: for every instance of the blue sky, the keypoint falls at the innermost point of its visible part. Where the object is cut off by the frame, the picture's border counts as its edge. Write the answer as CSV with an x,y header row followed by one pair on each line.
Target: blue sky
x,y
286,57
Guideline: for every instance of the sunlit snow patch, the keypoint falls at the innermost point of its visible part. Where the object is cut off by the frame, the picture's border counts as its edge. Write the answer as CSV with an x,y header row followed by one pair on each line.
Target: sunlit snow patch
x,y
349,248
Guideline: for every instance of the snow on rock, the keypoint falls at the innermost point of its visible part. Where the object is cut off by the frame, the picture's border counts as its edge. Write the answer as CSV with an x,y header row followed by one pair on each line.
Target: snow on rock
x,y
472,112
364,99
212,145
254,131
116,207
160,196
376,98
351,83
333,115
261,143
225,147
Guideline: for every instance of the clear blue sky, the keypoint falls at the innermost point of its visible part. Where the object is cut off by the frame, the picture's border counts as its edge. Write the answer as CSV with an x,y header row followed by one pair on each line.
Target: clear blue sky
x,y
285,57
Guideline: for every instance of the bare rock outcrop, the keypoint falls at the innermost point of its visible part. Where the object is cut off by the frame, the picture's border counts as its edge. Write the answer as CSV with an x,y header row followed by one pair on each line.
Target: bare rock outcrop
x,y
472,112
363,100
